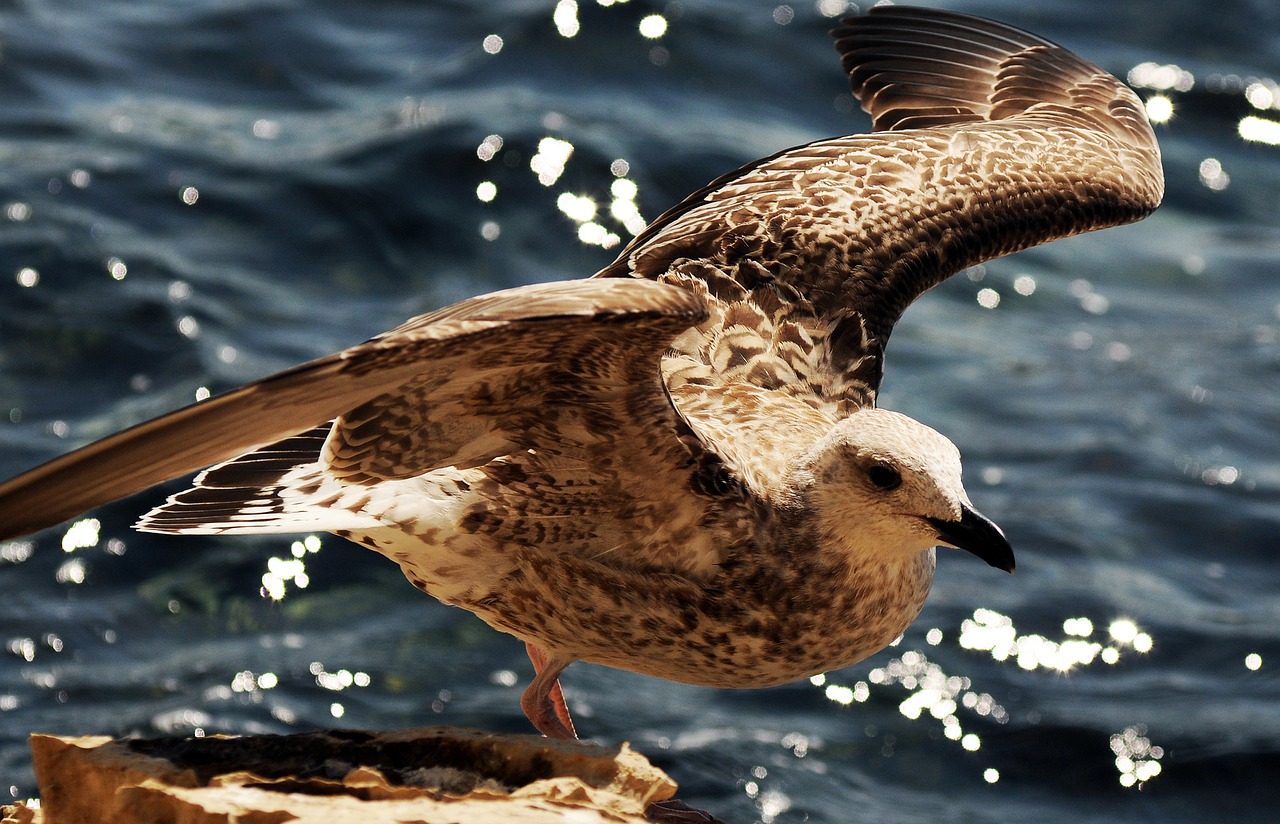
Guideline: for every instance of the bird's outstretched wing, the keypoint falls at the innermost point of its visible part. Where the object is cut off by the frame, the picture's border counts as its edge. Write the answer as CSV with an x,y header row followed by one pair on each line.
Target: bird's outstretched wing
x,y
991,140
987,140
459,386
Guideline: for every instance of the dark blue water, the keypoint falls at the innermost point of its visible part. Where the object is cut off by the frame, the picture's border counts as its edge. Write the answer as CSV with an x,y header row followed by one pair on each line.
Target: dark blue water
x,y
194,194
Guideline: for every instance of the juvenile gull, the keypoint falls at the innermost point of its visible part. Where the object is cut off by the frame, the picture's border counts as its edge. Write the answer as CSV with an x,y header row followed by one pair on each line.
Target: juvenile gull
x,y
677,467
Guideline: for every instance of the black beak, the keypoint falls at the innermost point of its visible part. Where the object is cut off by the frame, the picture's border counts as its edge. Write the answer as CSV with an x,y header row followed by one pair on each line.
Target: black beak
x,y
976,534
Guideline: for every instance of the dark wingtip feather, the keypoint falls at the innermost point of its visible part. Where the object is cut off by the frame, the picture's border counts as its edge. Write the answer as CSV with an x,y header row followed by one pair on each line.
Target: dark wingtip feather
x,y
915,67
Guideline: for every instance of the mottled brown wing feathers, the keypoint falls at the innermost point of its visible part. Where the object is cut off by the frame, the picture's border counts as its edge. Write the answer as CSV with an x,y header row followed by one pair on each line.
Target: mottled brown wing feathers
x,y
577,380
905,66
913,68
1030,142
988,140
518,327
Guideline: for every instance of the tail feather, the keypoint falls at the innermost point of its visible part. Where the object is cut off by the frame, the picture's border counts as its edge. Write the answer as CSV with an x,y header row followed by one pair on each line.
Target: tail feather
x,y
280,488
266,466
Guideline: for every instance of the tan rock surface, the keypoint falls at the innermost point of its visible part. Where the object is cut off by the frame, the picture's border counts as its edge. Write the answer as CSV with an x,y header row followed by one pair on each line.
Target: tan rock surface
x,y
423,775
19,813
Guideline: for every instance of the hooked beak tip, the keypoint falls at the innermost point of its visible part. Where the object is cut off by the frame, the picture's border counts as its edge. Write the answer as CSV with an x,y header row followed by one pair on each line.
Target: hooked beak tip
x,y
976,534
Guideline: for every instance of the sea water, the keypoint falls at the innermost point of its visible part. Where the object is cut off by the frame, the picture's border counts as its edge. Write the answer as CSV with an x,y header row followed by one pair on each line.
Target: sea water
x,y
196,194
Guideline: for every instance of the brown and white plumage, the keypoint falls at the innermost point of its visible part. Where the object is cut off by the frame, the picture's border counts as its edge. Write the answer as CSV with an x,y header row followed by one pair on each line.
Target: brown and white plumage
x,y
677,467
987,140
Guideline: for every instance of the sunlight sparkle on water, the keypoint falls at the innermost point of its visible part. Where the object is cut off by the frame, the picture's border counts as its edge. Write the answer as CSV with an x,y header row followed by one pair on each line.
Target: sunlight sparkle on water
x,y
1126,632
625,212
934,694
15,552
593,234
24,648
549,163
340,680
504,678
582,210
489,147
280,571
247,681
991,632
1253,662
623,189
772,804
799,743
81,535
566,18
1259,130
1212,174
1159,109
265,129
550,160
1081,627
1137,760
653,26
578,208
1263,94
1220,475
72,572
1168,77
623,208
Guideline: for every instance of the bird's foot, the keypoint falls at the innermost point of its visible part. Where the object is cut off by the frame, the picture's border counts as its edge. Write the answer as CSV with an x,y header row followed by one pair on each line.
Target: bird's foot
x,y
543,702
674,811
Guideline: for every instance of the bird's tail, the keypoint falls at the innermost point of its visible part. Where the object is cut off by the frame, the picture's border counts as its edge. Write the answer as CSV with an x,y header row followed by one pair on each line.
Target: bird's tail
x,y
280,488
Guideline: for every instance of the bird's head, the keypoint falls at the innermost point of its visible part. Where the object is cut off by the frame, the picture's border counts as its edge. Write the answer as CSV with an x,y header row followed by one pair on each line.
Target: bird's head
x,y
882,484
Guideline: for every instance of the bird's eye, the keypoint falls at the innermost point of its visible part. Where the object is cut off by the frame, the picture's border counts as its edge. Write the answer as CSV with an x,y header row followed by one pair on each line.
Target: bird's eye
x,y
884,477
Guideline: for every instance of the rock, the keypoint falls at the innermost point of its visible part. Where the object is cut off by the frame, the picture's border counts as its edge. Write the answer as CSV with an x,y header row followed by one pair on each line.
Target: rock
x,y
19,813
434,774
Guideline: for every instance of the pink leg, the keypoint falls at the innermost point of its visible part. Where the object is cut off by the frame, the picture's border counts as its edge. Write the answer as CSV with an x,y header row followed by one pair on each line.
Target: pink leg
x,y
543,702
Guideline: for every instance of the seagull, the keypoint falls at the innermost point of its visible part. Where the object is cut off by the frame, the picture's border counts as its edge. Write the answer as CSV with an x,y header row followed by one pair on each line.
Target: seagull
x,y
677,467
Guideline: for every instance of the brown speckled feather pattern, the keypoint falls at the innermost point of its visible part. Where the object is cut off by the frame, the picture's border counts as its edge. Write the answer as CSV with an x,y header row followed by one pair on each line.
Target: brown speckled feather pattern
x,y
671,467
987,140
